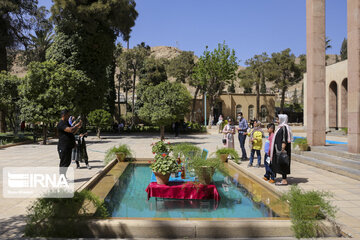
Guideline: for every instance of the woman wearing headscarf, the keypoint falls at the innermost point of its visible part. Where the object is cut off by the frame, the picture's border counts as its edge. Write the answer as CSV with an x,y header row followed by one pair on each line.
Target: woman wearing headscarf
x,y
229,131
281,144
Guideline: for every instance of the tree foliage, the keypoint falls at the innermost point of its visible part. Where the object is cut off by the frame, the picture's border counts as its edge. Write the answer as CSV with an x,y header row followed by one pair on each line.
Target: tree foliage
x,y
165,103
215,70
9,97
100,119
284,72
15,24
343,50
181,67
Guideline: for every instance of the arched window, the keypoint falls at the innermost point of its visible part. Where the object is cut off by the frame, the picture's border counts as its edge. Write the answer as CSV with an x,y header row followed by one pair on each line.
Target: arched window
x,y
238,109
333,105
264,113
251,112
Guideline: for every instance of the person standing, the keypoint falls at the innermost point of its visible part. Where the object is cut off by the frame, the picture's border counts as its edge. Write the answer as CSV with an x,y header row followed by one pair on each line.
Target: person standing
x,y
281,144
243,127
228,132
66,140
269,175
256,135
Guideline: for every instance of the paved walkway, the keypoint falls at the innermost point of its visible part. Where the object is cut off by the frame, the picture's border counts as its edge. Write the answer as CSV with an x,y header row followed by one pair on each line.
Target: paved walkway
x,y
12,211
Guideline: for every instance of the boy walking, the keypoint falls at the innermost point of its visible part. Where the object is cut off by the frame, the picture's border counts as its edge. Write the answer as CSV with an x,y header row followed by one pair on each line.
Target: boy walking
x,y
269,174
256,135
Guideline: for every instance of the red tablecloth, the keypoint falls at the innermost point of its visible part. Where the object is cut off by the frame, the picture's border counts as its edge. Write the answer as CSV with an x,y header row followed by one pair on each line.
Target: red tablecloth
x,y
183,191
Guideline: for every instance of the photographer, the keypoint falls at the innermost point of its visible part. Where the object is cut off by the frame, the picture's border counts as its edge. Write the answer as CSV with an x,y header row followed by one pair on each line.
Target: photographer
x,y
66,140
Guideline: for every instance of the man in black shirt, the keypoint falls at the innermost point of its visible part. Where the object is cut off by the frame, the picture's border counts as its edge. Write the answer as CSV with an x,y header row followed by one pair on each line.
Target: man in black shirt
x,y
66,140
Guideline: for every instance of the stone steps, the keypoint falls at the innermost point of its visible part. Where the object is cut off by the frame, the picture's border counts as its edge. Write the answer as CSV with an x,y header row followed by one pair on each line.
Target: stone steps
x,y
333,152
345,162
334,167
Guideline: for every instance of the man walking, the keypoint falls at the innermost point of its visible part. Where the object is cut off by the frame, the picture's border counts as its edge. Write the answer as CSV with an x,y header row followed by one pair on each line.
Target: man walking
x,y
66,140
243,126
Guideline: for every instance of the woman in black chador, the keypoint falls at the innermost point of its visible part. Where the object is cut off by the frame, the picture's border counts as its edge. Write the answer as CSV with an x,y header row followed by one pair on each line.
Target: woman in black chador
x,y
281,144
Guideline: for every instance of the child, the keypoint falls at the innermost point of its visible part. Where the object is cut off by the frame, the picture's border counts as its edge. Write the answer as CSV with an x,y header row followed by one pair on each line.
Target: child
x,y
256,136
269,175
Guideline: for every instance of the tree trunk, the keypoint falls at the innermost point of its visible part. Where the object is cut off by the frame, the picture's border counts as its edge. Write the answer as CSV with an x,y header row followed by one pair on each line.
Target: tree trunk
x,y
211,103
126,100
162,132
3,58
44,133
98,132
133,100
282,100
2,121
192,115
257,100
119,107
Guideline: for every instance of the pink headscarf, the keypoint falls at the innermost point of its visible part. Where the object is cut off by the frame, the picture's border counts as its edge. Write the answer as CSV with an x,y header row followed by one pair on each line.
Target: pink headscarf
x,y
283,122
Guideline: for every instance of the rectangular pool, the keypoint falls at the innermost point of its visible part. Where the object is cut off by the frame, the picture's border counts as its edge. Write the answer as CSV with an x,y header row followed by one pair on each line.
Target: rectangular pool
x,y
128,199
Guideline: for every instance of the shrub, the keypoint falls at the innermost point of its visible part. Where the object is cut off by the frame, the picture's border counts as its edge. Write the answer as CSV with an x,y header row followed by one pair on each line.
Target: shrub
x,y
111,153
187,149
60,217
100,119
345,130
302,143
161,147
306,208
229,151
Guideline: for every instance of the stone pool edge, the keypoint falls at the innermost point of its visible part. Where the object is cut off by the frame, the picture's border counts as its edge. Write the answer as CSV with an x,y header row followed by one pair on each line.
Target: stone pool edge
x,y
183,228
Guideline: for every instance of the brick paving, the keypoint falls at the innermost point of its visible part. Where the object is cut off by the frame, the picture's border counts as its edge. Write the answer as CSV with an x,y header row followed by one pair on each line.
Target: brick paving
x,y
12,211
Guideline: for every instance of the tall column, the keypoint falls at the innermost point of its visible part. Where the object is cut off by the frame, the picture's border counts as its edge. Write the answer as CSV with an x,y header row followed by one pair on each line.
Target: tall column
x,y
315,65
353,12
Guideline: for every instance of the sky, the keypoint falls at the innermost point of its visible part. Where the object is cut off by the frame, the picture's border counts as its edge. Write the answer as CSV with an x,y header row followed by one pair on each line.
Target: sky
x,y
248,26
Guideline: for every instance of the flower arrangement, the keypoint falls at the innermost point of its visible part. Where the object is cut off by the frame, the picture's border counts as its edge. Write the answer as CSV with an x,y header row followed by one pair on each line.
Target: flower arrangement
x,y
161,147
164,164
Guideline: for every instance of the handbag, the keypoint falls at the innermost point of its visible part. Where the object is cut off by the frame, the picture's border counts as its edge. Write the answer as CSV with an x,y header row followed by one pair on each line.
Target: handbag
x,y
224,140
282,156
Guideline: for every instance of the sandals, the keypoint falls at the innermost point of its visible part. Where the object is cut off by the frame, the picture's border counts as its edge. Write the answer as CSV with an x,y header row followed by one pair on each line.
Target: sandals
x,y
281,184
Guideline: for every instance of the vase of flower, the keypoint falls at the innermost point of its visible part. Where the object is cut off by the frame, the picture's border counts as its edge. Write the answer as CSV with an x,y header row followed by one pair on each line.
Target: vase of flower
x,y
162,179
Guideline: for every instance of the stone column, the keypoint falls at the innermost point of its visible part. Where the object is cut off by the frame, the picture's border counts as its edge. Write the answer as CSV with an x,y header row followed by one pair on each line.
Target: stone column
x,y
315,54
353,19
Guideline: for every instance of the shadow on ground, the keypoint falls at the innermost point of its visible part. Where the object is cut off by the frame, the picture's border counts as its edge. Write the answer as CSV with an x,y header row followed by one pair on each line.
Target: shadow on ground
x,y
12,227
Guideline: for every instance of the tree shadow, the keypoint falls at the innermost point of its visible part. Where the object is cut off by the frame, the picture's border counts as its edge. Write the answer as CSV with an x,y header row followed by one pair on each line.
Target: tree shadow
x,y
12,227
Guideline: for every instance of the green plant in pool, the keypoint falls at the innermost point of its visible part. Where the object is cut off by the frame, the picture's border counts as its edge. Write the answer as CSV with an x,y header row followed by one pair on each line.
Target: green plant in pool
x,y
163,163
228,151
111,153
205,168
302,143
60,217
161,147
187,149
306,208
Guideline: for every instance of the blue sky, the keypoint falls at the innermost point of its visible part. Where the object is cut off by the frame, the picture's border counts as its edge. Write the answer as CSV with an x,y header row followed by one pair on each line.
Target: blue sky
x,y
248,26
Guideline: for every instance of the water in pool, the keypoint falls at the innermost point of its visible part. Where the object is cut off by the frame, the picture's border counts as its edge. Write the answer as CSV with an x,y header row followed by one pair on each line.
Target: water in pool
x,y
129,199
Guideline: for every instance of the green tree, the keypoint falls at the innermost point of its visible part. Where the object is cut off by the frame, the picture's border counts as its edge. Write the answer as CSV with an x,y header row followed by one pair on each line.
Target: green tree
x,y
231,87
295,99
256,75
181,67
246,80
42,39
164,104
124,76
327,43
343,50
15,23
8,99
134,59
216,70
85,39
284,72
49,87
100,119
152,74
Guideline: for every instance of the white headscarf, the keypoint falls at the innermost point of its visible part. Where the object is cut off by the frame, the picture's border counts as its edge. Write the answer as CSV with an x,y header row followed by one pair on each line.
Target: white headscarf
x,y
283,122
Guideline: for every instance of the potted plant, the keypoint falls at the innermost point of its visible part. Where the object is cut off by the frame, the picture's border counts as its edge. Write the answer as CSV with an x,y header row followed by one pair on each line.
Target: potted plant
x,y
302,144
223,154
306,209
120,152
187,149
163,166
205,168
161,147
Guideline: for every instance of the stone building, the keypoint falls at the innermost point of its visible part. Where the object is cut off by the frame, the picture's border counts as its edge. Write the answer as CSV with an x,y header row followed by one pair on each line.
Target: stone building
x,y
230,104
336,95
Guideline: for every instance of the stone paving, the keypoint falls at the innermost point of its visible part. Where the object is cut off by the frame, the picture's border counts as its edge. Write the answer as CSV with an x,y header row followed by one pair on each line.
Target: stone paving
x,y
12,211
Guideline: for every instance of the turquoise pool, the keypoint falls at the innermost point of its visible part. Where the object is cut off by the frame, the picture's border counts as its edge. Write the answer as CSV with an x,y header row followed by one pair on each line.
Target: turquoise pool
x,y
128,199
